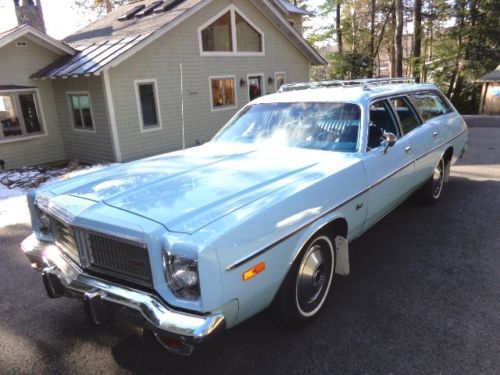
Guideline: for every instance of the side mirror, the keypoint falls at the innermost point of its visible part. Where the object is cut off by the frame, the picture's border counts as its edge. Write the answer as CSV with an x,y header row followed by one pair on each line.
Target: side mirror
x,y
389,140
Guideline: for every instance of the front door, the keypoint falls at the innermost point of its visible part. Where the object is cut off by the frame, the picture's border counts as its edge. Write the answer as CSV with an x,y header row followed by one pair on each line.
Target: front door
x,y
254,87
389,173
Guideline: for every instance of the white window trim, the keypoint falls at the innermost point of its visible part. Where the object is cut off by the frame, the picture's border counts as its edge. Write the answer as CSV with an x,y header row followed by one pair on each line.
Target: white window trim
x,y
223,108
232,8
38,102
263,84
70,107
276,80
158,126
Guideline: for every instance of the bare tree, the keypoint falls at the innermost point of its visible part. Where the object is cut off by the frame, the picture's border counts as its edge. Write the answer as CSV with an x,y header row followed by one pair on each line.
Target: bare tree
x,y
398,39
417,39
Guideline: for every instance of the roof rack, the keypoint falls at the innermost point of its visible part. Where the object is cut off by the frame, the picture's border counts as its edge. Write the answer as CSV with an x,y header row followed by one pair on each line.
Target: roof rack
x,y
366,83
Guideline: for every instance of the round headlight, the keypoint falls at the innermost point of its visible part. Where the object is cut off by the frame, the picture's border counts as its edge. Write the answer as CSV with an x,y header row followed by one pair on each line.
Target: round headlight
x,y
182,275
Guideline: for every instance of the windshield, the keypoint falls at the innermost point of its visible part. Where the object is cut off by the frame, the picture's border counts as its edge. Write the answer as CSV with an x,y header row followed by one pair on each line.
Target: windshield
x,y
321,126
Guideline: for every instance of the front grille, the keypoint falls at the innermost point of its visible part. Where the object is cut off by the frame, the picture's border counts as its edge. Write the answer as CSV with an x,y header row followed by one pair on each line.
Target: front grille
x,y
118,259
65,238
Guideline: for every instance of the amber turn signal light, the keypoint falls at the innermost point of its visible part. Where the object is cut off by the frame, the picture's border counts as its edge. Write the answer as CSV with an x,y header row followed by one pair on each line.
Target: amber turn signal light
x,y
254,271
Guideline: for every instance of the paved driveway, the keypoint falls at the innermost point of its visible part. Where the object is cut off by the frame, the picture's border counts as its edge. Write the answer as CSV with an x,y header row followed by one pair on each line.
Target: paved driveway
x,y
423,297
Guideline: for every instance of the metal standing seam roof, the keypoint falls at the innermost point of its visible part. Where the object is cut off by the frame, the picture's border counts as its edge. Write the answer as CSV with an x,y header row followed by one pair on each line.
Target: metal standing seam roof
x,y
90,59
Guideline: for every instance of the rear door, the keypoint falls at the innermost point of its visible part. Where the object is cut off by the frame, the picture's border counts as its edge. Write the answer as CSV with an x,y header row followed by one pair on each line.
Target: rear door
x,y
436,118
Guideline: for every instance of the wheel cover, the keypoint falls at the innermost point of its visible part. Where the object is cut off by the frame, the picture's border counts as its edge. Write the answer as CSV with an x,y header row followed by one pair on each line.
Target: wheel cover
x,y
438,179
314,276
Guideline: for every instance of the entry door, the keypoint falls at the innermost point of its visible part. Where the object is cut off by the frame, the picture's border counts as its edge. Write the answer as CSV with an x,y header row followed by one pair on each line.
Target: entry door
x,y
389,173
254,87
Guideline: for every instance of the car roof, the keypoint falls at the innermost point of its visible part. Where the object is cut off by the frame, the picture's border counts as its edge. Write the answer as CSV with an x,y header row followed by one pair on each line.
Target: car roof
x,y
350,94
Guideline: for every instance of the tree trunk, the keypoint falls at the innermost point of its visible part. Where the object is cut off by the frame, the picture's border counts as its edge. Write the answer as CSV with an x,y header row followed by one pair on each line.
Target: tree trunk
x,y
461,24
372,39
398,39
392,49
417,40
340,44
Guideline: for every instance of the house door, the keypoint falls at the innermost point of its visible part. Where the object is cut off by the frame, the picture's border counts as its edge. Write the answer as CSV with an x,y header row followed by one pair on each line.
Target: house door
x,y
254,87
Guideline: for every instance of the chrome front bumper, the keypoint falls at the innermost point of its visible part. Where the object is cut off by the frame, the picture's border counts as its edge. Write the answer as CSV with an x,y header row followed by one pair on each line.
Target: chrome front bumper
x,y
104,299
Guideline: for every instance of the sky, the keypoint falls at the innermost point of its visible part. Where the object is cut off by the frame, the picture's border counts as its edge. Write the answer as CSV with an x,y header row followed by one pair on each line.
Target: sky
x,y
62,17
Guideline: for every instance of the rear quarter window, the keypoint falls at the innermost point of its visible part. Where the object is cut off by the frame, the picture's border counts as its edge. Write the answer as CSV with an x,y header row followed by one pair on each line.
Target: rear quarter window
x,y
429,105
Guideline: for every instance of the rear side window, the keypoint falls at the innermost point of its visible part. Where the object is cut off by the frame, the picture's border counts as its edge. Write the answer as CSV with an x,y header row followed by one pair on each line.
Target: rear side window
x,y
407,117
429,105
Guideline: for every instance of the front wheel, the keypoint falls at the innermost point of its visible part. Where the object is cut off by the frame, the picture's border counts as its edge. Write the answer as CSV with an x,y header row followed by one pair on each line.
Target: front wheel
x,y
306,287
431,191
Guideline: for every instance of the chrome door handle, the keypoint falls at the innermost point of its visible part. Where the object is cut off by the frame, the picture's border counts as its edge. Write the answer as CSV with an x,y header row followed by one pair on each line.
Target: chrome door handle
x,y
407,149
435,134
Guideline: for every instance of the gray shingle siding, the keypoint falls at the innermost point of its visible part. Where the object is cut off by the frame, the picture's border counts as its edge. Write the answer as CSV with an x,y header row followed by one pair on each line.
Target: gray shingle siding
x,y
161,60
81,145
16,65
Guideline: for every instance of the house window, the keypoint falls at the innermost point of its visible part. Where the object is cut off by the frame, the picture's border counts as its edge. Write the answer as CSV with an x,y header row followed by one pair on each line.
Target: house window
x,y
255,88
218,36
230,32
19,115
147,98
249,39
222,91
81,111
279,80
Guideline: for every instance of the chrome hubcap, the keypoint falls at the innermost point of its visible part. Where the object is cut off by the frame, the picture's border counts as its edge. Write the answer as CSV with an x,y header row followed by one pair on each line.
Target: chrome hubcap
x,y
314,275
437,179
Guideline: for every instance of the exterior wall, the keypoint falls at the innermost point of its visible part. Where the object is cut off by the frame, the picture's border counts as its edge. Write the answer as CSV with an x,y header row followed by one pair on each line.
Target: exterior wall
x,y
83,145
161,61
16,65
490,102
296,20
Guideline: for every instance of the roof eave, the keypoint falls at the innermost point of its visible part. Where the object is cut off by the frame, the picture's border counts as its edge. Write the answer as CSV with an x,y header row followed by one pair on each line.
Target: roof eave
x,y
27,29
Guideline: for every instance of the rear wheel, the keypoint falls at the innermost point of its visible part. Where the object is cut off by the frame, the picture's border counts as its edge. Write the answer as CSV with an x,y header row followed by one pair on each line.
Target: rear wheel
x,y
431,191
306,287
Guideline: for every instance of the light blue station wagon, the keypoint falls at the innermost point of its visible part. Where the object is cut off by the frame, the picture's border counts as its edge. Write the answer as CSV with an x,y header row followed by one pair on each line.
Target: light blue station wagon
x,y
190,243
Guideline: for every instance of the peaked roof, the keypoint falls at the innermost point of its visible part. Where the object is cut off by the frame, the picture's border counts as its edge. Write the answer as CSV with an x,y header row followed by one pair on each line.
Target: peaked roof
x,y
493,76
113,38
291,8
36,36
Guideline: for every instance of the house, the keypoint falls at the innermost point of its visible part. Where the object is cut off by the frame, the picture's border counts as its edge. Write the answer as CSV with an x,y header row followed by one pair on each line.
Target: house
x,y
148,78
490,95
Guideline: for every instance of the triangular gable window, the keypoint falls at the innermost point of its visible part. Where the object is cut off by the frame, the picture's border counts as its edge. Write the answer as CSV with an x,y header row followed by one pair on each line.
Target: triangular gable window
x,y
230,33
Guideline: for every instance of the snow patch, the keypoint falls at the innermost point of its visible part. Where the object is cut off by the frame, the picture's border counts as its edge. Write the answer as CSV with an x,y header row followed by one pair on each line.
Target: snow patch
x,y
14,184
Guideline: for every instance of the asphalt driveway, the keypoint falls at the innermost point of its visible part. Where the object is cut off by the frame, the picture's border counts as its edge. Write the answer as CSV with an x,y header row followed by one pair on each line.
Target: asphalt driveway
x,y
423,297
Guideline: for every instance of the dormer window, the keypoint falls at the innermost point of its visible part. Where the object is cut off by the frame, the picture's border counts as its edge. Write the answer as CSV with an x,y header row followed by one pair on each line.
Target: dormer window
x,y
230,33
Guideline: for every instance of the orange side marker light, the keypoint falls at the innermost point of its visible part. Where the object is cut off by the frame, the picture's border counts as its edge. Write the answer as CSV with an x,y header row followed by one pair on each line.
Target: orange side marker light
x,y
254,271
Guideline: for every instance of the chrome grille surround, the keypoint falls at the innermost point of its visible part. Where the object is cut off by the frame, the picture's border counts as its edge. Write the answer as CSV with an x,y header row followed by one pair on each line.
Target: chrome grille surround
x,y
117,257
103,253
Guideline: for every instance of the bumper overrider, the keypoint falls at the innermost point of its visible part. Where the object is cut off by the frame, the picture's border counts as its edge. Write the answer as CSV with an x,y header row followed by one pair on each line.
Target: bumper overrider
x,y
177,331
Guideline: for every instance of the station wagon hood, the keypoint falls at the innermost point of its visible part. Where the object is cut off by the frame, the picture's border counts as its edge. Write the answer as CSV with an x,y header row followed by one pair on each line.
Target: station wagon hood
x,y
187,190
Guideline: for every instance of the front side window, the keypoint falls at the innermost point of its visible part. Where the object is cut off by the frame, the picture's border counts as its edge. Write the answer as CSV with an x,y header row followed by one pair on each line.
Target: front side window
x,y
381,121
407,117
429,105
148,104
231,33
19,115
81,111
222,91
320,126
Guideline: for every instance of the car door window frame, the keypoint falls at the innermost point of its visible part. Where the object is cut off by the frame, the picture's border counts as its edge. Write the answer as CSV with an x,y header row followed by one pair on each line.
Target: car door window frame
x,y
392,115
410,107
